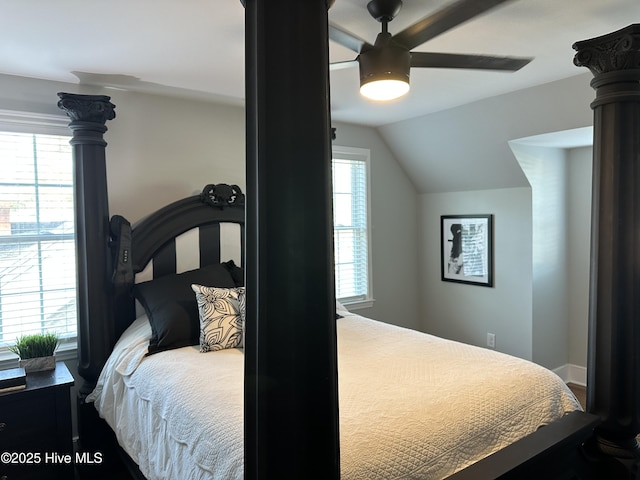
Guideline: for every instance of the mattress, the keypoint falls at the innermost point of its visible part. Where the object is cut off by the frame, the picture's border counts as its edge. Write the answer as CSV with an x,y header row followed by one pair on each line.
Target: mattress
x,y
412,405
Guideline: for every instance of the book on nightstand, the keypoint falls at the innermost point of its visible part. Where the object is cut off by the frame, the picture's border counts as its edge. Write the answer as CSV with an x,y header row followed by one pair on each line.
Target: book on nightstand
x,y
12,379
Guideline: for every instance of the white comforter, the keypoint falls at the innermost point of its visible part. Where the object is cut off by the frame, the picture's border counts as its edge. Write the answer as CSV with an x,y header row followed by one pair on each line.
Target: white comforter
x,y
412,406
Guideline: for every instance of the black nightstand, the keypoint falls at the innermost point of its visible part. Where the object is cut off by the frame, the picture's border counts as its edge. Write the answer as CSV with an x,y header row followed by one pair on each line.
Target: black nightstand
x,y
35,428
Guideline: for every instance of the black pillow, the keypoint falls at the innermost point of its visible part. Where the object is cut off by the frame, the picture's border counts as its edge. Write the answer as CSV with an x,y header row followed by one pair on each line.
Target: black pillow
x,y
237,273
171,305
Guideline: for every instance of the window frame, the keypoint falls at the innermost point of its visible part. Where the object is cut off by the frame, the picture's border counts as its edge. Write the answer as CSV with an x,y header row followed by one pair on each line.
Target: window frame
x,y
360,155
39,124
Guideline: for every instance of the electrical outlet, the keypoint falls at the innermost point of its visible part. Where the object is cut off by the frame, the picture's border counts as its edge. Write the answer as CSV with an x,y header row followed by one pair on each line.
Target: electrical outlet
x,y
491,340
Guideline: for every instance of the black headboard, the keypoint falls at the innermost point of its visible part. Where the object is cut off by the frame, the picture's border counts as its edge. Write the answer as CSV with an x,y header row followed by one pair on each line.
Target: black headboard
x,y
154,239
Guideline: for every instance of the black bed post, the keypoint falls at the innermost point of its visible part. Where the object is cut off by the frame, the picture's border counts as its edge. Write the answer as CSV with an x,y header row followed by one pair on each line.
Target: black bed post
x,y
88,114
613,384
291,399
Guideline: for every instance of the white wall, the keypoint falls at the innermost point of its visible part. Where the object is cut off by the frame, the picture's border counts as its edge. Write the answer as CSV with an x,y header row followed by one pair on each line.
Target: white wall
x,y
558,206
579,163
560,179
162,149
546,170
560,229
468,312
479,133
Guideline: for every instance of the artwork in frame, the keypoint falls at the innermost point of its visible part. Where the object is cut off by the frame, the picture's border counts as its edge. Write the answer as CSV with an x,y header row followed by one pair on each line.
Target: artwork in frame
x,y
467,249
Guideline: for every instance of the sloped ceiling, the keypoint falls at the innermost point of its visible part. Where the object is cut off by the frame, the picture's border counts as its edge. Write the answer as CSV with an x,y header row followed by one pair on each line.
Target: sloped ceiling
x,y
467,148
196,49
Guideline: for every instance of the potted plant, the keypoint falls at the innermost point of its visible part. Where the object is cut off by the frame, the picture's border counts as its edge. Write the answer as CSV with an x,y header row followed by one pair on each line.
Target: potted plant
x,y
36,351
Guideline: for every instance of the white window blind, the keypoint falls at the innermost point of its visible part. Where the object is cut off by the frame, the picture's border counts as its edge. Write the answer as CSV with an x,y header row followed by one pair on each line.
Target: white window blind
x,y
351,224
37,246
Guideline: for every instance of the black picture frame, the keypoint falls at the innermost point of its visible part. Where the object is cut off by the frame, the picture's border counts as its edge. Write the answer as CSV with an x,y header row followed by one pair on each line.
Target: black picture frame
x,y
467,249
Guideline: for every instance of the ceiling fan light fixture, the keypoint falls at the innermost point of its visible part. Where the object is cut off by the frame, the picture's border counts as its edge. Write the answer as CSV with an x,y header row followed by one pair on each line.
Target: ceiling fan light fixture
x,y
384,70
384,89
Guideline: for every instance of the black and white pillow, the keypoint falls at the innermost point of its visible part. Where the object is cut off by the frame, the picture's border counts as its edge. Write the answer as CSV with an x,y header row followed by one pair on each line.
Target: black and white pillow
x,y
222,314
168,302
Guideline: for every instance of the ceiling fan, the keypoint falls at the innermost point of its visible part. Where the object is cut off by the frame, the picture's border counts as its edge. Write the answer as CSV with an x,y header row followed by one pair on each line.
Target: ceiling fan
x,y
385,65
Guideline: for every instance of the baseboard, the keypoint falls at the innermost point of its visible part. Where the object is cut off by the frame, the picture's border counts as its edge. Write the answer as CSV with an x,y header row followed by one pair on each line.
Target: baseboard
x,y
572,374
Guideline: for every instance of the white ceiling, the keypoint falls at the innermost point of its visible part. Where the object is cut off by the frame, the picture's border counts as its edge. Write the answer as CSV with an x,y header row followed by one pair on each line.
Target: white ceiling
x,y
195,48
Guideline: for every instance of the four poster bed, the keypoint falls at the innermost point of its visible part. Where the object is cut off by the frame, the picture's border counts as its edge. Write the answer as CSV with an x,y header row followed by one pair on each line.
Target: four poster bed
x,y
411,405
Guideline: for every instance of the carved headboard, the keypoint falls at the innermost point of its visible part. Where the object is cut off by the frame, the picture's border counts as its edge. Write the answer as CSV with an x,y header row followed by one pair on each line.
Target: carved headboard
x,y
194,232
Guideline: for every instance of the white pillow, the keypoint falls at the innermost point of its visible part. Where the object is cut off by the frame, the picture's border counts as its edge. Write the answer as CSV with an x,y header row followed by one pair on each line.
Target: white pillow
x,y
222,314
341,309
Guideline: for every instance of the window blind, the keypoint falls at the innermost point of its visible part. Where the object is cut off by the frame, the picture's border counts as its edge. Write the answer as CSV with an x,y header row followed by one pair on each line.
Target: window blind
x,y
350,211
37,245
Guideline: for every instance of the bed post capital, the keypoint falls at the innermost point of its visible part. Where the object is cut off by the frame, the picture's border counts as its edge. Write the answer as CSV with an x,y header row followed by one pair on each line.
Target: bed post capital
x,y
616,51
88,114
87,108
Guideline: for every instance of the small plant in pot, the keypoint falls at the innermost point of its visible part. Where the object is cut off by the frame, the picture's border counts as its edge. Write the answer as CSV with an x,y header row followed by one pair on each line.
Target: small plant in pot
x,y
36,351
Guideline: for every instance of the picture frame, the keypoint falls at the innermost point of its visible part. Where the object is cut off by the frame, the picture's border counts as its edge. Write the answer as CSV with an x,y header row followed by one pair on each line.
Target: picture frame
x,y
467,249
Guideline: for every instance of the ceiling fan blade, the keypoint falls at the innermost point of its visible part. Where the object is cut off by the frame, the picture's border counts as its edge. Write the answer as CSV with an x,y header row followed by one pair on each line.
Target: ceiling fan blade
x,y
347,39
343,65
474,62
439,22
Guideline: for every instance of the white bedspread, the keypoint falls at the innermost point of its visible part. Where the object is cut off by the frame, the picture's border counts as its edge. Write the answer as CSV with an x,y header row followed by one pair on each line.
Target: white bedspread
x,y
412,406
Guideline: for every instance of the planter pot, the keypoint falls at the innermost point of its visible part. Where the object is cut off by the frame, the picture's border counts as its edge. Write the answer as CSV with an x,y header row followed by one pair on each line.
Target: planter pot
x,y
38,364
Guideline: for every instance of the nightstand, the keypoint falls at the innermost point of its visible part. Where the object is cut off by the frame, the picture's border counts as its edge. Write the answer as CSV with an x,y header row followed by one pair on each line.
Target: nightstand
x,y
35,428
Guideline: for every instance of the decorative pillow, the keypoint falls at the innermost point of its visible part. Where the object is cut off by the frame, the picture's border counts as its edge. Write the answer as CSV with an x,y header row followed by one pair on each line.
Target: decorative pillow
x,y
222,313
169,304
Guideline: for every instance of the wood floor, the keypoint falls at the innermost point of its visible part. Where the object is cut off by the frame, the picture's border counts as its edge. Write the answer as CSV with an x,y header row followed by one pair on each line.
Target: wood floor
x,y
580,392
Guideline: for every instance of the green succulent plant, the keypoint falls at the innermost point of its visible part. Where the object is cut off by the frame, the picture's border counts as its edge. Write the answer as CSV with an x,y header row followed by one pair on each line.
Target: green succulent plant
x,y
35,345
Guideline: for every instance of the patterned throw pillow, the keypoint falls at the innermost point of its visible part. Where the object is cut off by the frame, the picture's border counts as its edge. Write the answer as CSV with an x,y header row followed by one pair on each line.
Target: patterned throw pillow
x,y
222,313
168,302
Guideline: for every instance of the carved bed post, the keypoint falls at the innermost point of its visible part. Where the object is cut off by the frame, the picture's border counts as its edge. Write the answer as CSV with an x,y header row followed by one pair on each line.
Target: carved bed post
x,y
291,399
613,385
88,114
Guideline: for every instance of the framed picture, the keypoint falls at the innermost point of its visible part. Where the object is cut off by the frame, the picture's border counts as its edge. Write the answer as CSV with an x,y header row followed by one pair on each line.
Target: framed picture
x,y
467,249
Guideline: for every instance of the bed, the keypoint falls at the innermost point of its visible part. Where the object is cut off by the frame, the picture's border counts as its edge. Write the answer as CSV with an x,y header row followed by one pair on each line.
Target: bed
x,y
411,405
598,444
425,421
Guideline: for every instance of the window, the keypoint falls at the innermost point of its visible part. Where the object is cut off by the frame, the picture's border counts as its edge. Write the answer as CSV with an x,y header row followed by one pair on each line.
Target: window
x,y
351,226
37,245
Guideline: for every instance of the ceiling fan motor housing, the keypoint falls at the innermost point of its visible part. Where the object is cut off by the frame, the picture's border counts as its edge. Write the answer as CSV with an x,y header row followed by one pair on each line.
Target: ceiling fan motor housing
x,y
387,63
